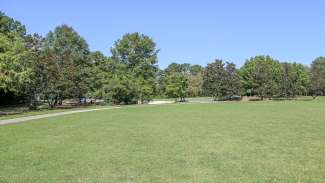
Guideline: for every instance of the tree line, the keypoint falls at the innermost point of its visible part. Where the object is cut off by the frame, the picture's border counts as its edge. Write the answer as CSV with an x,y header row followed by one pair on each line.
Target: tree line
x,y
61,66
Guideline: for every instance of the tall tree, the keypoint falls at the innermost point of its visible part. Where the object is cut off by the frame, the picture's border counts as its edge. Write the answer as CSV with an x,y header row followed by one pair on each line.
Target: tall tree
x,y
35,44
294,80
15,64
260,76
138,52
99,73
318,76
176,86
160,83
195,80
120,89
66,61
233,80
221,81
195,83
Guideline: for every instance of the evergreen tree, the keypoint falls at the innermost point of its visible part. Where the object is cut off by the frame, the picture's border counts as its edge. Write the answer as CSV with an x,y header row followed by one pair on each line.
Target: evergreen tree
x,y
221,81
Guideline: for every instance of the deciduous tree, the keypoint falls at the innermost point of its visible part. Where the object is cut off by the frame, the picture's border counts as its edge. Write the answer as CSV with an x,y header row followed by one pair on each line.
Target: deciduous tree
x,y
318,76
294,80
15,64
65,59
260,76
138,52
221,81
176,86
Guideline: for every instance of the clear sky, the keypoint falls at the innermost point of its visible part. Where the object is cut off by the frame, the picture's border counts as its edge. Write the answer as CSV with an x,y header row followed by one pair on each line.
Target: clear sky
x,y
188,31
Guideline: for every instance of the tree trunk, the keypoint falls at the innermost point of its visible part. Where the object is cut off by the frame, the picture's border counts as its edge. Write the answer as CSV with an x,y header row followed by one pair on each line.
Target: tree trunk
x,y
60,101
33,102
50,103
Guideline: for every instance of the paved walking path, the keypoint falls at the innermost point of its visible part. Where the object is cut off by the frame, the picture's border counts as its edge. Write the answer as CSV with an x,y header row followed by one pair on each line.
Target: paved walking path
x,y
28,118
40,116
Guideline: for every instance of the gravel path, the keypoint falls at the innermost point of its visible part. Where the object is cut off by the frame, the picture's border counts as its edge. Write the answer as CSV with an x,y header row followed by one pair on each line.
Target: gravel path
x,y
28,118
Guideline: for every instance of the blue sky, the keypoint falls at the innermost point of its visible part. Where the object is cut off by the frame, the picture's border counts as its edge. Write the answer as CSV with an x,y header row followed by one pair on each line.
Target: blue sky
x,y
188,31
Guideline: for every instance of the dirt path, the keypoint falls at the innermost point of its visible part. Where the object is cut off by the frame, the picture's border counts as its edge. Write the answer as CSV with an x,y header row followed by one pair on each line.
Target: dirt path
x,y
28,118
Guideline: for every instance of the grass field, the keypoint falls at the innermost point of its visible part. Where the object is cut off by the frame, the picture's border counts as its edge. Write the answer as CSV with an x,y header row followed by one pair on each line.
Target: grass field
x,y
225,142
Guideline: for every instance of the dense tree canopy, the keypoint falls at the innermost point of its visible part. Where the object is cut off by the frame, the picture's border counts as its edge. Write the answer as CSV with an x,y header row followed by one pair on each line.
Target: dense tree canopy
x,y
121,88
294,80
138,52
61,66
15,60
11,27
34,88
318,76
99,72
221,81
233,80
176,86
195,82
66,61
260,76
14,63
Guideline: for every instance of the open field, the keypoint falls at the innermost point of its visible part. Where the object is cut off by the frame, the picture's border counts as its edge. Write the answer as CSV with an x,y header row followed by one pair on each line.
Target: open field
x,y
274,141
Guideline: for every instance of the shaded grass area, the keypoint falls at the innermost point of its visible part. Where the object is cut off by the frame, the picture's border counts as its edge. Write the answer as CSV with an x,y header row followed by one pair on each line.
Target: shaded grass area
x,y
227,142
23,111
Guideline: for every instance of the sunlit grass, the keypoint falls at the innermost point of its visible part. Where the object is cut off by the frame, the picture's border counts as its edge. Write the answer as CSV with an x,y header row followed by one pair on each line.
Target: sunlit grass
x,y
273,141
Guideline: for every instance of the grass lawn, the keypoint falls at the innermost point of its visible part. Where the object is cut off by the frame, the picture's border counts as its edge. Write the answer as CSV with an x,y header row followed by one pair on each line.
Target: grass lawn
x,y
280,141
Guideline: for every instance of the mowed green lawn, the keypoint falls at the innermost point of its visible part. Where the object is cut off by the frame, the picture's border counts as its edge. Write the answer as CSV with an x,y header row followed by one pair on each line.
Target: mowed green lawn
x,y
226,142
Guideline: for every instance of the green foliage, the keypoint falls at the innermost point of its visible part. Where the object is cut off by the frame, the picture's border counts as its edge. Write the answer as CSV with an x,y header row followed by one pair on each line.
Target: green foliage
x,y
184,69
318,76
66,65
118,85
214,83
61,66
294,80
14,70
195,83
99,73
195,80
160,83
139,54
35,45
196,70
260,76
176,85
193,74
232,80
14,63
220,81
120,89
11,27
